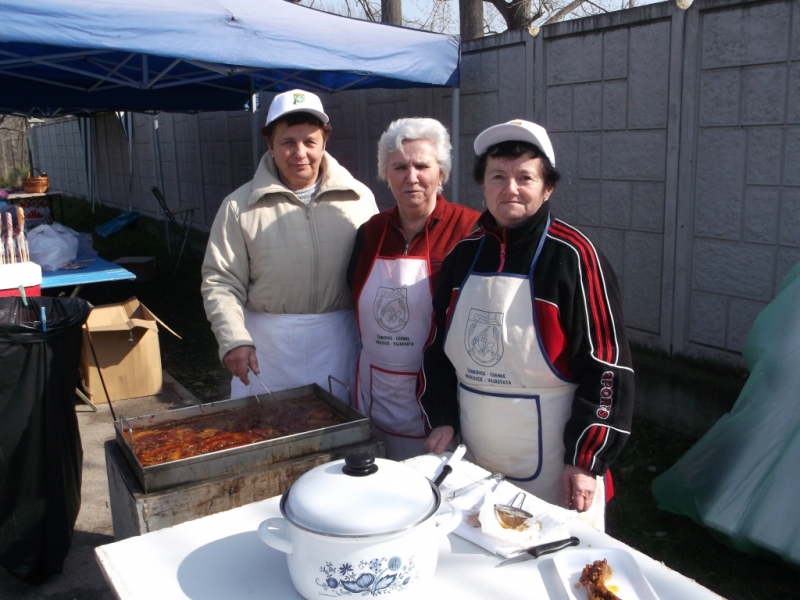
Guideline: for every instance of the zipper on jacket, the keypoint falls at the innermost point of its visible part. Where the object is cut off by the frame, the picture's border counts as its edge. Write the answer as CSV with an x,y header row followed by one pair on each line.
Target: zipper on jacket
x,y
315,296
405,240
503,243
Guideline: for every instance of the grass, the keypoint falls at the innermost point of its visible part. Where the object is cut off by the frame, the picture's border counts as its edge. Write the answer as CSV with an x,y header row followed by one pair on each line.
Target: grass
x,y
632,516
677,541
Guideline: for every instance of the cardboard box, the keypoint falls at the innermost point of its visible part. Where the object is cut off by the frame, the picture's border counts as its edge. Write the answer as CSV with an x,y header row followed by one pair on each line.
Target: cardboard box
x,y
123,339
144,267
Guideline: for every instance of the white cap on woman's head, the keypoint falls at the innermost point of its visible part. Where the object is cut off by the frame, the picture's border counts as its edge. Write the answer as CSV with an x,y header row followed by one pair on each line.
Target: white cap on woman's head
x,y
296,101
516,130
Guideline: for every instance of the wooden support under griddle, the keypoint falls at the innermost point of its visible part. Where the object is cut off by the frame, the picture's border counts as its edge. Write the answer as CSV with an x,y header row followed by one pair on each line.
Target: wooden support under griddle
x,y
133,512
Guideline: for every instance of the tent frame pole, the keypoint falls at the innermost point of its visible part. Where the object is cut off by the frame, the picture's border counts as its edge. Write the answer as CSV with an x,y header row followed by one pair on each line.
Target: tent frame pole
x,y
160,174
254,120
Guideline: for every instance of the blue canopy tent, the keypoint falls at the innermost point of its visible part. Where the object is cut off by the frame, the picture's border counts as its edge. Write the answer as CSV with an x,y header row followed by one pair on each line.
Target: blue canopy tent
x,y
86,56
73,56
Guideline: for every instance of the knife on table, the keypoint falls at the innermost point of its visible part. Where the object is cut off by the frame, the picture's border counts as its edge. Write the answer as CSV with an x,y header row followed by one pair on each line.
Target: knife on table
x,y
457,455
540,550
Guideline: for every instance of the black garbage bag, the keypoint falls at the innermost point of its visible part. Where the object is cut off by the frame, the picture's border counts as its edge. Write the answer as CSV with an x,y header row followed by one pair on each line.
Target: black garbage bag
x,y
41,457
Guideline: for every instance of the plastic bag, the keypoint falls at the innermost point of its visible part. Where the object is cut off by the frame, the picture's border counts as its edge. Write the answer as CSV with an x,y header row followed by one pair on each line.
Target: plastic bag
x,y
85,243
52,246
739,479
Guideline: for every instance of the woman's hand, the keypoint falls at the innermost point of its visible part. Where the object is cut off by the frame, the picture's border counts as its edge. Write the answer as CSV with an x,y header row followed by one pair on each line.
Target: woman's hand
x,y
579,486
239,359
439,438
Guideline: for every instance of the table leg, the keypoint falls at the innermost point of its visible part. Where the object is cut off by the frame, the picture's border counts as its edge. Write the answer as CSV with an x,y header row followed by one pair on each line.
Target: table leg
x,y
85,399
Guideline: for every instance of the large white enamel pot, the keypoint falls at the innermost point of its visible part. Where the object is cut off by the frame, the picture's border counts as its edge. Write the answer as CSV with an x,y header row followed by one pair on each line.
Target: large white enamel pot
x,y
361,527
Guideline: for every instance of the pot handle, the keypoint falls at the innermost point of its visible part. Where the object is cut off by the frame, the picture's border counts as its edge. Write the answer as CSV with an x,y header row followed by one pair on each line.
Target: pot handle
x,y
446,523
274,533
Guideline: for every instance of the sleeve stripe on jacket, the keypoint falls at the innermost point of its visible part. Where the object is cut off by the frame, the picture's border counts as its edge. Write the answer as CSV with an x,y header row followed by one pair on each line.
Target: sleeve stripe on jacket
x,y
597,303
593,441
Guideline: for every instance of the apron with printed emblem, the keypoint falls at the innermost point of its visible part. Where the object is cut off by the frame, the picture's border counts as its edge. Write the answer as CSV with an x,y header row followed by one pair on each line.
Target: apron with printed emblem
x,y
394,314
513,404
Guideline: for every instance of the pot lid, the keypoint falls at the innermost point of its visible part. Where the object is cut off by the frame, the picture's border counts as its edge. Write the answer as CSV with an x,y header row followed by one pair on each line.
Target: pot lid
x,y
360,496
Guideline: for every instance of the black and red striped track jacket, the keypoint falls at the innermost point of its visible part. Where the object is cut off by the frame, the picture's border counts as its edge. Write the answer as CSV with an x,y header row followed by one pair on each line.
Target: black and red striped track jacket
x,y
579,312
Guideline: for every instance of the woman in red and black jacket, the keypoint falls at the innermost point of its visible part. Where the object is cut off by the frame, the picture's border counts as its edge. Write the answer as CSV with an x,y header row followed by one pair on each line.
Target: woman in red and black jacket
x,y
528,360
392,273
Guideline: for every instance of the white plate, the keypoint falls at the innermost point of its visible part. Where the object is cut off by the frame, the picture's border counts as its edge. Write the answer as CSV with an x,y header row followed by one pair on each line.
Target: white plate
x,y
627,580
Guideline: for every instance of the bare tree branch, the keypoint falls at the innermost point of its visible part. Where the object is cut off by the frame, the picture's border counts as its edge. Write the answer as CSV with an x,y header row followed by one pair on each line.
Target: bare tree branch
x,y
516,13
479,17
598,7
372,11
564,12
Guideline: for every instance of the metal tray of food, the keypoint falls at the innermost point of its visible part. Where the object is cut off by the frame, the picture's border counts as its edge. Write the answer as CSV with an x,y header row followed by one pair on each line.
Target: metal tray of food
x,y
353,429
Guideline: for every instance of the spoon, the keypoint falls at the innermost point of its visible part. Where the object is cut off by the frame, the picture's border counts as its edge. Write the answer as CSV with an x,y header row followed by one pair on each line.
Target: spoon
x,y
510,516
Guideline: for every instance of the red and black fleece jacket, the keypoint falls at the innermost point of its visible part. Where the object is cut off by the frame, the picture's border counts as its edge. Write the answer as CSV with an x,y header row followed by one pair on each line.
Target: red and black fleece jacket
x,y
579,312
447,225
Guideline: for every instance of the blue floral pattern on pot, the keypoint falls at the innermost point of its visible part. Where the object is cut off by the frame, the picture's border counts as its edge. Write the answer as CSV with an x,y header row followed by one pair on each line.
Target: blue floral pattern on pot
x,y
373,577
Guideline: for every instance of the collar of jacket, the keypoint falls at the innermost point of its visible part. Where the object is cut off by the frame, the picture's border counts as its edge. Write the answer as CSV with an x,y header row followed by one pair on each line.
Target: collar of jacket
x,y
266,180
434,217
528,232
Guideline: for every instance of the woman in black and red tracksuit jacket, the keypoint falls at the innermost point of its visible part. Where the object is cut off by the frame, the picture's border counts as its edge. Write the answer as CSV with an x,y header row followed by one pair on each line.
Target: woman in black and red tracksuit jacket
x,y
578,320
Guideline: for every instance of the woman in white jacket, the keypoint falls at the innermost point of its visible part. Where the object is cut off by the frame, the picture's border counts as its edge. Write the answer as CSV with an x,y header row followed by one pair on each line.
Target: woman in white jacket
x,y
274,286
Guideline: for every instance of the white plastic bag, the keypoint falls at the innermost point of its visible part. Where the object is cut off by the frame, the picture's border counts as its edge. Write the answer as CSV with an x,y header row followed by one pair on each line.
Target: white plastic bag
x,y
52,246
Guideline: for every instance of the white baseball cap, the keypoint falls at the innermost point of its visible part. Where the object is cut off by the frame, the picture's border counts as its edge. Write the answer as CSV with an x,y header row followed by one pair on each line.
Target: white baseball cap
x,y
516,130
296,101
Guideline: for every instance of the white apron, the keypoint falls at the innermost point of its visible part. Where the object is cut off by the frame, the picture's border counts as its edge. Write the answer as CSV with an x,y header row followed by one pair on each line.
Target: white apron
x,y
513,404
297,350
395,313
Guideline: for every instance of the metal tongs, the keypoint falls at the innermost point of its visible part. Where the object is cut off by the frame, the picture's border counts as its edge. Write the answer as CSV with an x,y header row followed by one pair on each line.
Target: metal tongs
x,y
262,383
495,477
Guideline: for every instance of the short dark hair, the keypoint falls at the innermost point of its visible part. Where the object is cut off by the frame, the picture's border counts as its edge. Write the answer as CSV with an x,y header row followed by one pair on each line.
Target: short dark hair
x,y
511,150
297,118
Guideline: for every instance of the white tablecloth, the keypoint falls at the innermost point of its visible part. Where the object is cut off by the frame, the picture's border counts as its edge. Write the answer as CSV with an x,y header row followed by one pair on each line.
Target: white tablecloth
x,y
221,556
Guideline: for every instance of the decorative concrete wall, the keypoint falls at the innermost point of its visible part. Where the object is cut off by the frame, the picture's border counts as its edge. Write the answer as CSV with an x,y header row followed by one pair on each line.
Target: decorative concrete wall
x,y
677,135
738,222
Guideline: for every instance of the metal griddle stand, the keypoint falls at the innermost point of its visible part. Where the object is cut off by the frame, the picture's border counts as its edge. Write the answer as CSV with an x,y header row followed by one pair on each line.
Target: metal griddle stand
x,y
135,512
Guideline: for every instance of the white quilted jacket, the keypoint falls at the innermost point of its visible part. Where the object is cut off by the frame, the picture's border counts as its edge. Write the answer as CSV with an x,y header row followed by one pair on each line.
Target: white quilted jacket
x,y
269,252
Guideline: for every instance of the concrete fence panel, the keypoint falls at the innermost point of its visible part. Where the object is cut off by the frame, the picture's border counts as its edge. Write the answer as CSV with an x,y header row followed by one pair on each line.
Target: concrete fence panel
x,y
677,135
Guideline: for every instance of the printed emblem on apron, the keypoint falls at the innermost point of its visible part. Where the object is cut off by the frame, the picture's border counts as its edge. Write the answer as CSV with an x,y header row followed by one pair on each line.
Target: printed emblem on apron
x,y
513,416
483,338
395,314
391,308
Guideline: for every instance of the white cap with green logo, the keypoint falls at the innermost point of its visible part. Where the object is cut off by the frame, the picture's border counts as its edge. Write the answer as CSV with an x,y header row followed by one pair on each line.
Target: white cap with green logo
x,y
296,101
